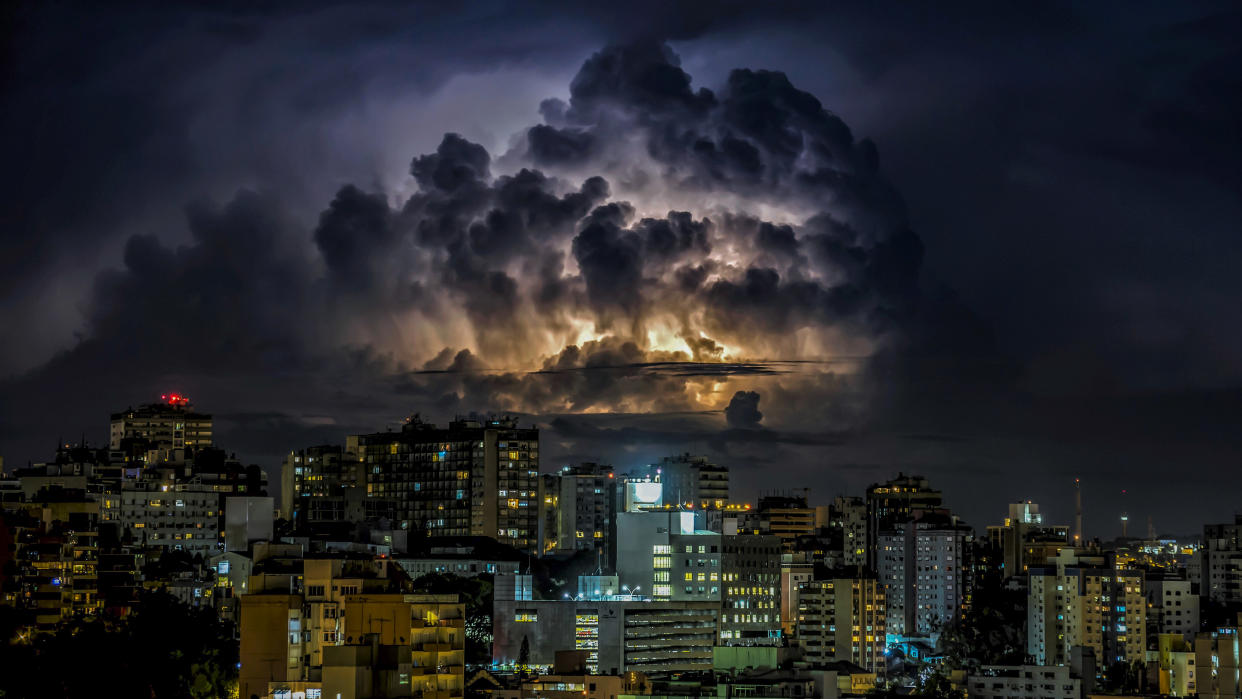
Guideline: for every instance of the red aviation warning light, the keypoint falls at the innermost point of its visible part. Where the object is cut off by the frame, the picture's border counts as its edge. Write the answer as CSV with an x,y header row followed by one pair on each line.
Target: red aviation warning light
x,y
175,399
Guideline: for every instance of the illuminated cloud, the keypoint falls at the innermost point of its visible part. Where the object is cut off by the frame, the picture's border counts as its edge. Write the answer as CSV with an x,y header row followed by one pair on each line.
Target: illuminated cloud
x,y
632,229
653,247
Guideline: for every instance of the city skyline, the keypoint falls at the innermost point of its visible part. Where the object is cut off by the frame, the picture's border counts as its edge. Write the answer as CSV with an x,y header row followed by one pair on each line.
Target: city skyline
x,y
676,349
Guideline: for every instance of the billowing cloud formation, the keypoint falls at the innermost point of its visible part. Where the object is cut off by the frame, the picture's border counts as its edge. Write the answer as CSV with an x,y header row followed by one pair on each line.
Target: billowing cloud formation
x,y
646,222
651,247
652,251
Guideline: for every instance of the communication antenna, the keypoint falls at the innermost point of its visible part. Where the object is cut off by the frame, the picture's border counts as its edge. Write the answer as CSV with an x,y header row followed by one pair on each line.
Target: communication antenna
x,y
1077,512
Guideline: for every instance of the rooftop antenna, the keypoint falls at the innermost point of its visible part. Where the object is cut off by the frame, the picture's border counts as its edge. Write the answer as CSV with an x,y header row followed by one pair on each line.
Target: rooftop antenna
x,y
1125,516
1077,512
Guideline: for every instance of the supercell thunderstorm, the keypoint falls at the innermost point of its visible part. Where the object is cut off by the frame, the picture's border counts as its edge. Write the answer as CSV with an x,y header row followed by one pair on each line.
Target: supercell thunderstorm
x,y
651,247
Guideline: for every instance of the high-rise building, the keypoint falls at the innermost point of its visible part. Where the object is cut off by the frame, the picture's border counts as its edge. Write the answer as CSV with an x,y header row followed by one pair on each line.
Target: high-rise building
x,y
585,498
1103,609
849,514
1024,540
895,501
1222,562
785,516
1175,665
172,514
180,505
842,619
1219,672
300,629
142,433
652,556
796,569
316,484
692,480
476,477
750,593
924,568
52,557
666,555
549,497
1172,608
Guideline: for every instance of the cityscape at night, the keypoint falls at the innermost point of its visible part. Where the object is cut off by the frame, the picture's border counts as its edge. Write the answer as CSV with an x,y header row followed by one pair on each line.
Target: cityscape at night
x,y
678,350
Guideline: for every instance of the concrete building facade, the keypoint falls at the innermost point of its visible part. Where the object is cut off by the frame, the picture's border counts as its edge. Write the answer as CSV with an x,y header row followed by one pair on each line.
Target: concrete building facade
x,y
1172,608
1023,682
1098,608
842,619
620,635
155,427
895,501
476,477
1222,562
923,566
585,511
318,635
1217,661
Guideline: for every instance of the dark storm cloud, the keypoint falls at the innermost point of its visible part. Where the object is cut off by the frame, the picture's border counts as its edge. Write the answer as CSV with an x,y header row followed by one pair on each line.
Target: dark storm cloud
x,y
552,145
481,259
225,300
743,410
129,110
354,224
760,135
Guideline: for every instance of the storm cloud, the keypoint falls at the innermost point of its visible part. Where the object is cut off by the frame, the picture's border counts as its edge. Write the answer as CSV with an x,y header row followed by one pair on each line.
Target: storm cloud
x,y
542,282
631,244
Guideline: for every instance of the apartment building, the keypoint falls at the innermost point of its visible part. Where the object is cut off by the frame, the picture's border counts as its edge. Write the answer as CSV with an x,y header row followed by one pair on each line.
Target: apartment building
x,y
476,477
842,619
1099,608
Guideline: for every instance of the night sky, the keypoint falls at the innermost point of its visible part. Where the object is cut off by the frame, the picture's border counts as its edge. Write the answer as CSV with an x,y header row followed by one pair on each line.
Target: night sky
x,y
994,245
